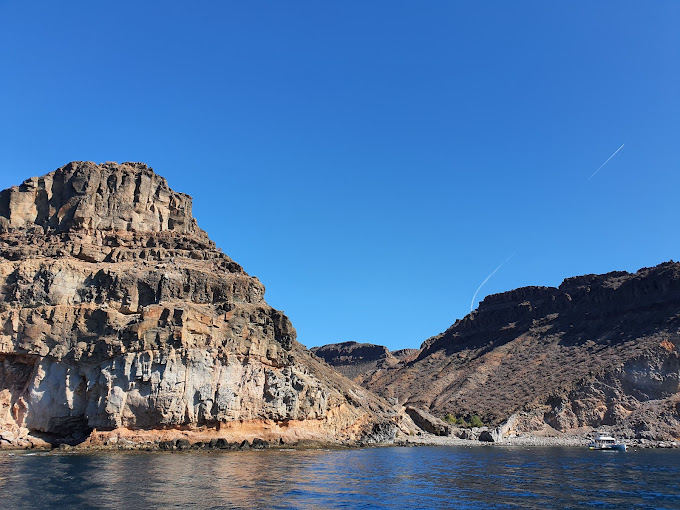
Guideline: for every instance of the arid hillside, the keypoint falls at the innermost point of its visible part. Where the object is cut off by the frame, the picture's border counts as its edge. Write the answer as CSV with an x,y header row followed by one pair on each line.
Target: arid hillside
x,y
599,350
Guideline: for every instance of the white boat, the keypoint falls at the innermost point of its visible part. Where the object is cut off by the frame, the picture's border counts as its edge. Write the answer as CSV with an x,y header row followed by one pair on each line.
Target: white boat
x,y
606,443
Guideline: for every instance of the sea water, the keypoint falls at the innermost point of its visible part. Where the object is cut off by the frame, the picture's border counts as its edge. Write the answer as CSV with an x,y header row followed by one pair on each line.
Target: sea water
x,y
371,478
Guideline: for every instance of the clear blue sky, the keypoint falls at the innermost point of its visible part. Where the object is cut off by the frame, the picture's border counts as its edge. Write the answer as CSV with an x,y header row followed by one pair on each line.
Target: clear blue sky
x,y
371,162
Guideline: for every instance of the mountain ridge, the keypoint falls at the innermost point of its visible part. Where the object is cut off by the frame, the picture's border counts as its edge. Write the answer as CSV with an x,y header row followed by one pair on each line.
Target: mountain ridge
x,y
598,350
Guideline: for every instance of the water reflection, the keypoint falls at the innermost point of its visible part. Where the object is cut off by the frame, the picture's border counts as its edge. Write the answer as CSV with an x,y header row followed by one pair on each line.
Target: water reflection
x,y
377,478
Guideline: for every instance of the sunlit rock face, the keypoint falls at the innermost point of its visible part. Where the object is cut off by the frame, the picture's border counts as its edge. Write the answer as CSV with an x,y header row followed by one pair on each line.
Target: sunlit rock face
x,y
118,311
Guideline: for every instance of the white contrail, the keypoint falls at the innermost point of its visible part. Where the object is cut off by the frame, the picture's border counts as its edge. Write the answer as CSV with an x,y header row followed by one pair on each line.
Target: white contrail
x,y
472,303
610,157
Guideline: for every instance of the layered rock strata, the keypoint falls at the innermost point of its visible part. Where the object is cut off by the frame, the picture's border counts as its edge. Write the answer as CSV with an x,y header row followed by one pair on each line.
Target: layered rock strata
x,y
119,317
599,351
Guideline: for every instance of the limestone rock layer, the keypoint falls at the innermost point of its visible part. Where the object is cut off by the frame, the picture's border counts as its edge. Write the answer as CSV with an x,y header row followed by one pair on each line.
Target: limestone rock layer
x,y
118,312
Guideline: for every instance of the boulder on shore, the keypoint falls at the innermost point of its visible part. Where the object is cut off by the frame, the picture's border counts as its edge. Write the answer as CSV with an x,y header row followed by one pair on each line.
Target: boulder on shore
x,y
428,422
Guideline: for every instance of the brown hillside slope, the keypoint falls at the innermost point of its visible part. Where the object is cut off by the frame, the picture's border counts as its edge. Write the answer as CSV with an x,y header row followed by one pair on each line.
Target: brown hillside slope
x,y
597,350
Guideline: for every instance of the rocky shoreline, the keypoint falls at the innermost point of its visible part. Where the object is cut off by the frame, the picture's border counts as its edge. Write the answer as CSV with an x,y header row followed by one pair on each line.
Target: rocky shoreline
x,y
531,441
183,444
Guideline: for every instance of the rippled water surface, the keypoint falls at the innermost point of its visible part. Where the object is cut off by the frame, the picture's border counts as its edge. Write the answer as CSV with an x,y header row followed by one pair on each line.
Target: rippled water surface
x,y
425,477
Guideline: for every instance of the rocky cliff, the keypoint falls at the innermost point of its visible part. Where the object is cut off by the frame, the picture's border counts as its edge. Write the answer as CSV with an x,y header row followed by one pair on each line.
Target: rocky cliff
x,y
120,318
598,351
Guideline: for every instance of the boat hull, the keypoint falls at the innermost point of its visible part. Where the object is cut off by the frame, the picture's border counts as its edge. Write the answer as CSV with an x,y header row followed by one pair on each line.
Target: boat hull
x,y
611,447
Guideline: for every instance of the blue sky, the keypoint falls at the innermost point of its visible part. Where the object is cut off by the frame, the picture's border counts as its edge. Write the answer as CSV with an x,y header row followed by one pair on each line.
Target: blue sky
x,y
371,162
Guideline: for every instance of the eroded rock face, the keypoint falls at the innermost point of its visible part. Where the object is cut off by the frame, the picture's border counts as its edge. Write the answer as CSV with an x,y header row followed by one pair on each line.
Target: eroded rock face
x,y
107,197
598,351
117,311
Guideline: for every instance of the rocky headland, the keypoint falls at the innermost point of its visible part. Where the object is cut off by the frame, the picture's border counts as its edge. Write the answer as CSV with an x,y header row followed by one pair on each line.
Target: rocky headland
x,y
122,322
599,352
